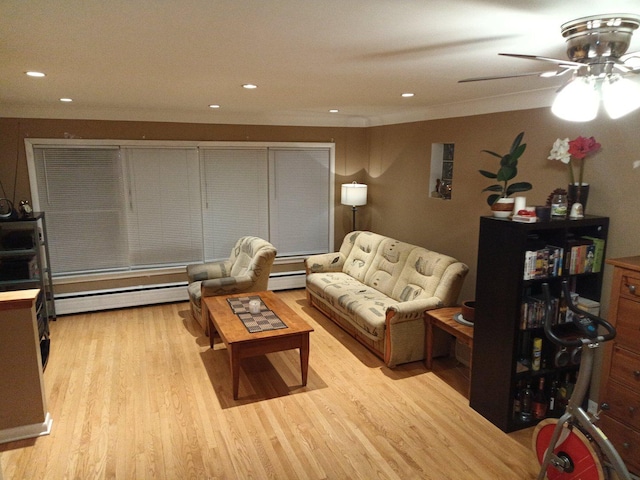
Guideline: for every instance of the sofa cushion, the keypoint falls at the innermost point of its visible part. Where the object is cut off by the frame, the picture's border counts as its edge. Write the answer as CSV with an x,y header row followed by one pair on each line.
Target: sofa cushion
x,y
421,274
364,306
387,265
362,254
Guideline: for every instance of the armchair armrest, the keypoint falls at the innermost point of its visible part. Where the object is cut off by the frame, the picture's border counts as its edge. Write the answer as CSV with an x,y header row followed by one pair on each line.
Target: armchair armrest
x,y
226,286
204,271
324,262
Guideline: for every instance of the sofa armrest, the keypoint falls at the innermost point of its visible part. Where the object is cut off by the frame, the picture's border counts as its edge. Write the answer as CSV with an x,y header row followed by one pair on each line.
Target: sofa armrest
x,y
451,284
405,330
203,271
411,310
324,262
226,286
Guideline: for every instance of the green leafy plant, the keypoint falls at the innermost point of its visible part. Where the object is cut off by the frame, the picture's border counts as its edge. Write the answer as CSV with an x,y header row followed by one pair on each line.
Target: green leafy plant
x,y
507,172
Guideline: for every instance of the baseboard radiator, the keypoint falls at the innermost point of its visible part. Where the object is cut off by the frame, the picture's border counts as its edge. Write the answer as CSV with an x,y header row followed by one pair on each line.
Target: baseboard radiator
x,y
96,300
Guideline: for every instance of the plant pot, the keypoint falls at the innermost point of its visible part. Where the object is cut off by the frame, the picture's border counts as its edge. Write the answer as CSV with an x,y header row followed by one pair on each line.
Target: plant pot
x,y
503,207
469,310
578,194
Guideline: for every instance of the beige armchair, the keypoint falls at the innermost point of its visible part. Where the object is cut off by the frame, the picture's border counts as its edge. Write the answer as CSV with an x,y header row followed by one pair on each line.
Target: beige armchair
x,y
246,270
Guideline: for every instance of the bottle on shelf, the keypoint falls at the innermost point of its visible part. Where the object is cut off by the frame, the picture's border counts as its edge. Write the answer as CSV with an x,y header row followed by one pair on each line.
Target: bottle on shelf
x,y
559,206
566,390
526,403
539,402
517,399
562,313
554,404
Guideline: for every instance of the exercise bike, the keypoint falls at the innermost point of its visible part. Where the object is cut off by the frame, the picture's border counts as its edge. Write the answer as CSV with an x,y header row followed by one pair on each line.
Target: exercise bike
x,y
572,446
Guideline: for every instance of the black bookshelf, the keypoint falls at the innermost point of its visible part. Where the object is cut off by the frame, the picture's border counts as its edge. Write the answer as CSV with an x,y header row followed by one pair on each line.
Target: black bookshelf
x,y
501,339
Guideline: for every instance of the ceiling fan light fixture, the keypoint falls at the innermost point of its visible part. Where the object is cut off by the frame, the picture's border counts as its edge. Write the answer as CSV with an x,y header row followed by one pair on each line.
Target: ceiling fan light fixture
x,y
578,101
620,96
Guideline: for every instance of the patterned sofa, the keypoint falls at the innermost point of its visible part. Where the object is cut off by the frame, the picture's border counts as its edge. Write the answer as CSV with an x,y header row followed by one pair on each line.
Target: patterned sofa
x,y
378,289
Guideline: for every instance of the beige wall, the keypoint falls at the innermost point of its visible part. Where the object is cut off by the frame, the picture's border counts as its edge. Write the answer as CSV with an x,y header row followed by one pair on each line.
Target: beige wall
x,y
399,163
395,160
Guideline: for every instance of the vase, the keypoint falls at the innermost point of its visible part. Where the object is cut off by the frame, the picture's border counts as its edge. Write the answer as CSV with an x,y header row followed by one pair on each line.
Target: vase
x,y
578,194
503,207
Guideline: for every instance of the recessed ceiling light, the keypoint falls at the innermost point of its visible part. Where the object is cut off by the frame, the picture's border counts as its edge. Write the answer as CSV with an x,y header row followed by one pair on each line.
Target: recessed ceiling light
x,y
213,105
35,74
334,110
407,95
249,86
67,100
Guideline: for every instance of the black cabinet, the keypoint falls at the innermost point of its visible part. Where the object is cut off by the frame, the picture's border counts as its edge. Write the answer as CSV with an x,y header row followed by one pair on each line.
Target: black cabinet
x,y
25,264
514,260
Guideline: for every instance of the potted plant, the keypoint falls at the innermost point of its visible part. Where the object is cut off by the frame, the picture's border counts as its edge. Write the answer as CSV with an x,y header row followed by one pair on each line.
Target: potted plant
x,y
499,201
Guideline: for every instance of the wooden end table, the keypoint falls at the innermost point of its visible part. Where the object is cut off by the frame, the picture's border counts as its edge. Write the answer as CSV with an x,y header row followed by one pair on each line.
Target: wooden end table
x,y
241,343
442,318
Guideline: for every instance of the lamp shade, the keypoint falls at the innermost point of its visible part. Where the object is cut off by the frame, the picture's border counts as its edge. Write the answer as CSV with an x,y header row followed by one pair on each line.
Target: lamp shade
x,y
354,194
578,101
620,96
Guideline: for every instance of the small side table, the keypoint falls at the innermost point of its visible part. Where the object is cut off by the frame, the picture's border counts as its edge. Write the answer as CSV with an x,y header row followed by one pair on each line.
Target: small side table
x,y
442,318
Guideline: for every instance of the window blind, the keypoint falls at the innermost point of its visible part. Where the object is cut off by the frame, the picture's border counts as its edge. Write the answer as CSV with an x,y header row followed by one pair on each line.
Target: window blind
x,y
81,191
164,224
299,200
235,197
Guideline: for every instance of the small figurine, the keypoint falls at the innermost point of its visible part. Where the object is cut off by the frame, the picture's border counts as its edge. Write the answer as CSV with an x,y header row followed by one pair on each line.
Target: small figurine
x,y
436,192
25,209
576,211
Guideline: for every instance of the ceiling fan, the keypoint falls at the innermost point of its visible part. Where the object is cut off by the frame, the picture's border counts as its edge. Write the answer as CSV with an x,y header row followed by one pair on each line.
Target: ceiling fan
x,y
598,63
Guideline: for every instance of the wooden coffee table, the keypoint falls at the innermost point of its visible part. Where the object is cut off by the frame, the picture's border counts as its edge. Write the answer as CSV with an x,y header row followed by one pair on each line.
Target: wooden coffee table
x,y
242,344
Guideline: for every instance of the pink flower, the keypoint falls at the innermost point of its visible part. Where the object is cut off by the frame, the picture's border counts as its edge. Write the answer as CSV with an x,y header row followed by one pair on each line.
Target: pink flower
x,y
581,147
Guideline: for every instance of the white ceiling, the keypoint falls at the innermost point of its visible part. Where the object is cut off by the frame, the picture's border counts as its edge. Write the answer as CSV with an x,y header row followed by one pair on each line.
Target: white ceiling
x,y
164,60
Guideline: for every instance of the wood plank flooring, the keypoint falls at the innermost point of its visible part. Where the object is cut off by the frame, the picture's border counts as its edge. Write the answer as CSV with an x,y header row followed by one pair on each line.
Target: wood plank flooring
x,y
138,394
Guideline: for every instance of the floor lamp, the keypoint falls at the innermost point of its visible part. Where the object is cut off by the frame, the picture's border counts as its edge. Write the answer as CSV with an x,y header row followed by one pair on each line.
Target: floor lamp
x,y
354,194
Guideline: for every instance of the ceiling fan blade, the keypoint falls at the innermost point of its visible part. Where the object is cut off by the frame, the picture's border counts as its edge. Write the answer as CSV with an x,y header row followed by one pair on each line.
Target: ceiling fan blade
x,y
631,62
499,77
629,55
562,63
546,74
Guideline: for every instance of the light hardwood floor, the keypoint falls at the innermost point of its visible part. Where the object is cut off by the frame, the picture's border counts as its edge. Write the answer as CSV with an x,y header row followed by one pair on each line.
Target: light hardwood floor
x,y
137,394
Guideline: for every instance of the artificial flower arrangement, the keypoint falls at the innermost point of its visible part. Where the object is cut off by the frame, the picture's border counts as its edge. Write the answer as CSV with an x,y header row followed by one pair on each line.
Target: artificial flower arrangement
x,y
579,148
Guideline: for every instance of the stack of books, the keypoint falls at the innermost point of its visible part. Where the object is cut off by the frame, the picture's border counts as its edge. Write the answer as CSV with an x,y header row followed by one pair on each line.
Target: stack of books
x,y
533,312
584,255
543,263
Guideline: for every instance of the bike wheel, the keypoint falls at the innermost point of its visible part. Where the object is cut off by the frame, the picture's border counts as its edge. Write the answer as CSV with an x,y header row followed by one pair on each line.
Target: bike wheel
x,y
572,445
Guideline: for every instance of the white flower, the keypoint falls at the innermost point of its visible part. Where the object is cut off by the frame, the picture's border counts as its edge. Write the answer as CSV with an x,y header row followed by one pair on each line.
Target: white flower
x,y
560,151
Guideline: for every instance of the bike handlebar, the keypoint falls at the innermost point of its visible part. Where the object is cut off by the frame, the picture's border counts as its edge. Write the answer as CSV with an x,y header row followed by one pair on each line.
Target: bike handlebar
x,y
579,315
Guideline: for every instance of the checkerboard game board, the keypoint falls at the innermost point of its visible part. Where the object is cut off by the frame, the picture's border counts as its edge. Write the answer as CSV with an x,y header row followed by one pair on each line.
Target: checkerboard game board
x,y
255,322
